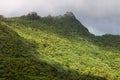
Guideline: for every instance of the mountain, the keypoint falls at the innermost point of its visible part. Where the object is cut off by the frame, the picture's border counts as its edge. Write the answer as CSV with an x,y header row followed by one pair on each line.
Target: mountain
x,y
55,48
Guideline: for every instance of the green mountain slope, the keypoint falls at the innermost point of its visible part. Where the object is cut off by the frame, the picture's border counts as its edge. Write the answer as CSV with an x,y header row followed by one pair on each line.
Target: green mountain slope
x,y
108,41
56,48
18,59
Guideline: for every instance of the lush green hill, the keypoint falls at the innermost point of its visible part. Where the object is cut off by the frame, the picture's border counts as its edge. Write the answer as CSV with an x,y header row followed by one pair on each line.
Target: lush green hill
x,y
108,41
55,48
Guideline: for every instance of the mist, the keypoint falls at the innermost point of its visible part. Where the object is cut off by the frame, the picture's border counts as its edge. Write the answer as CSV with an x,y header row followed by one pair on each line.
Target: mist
x,y
99,16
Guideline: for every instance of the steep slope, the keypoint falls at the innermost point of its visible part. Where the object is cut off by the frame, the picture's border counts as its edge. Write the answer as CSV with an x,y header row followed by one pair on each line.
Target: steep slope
x,y
67,49
66,24
16,56
18,59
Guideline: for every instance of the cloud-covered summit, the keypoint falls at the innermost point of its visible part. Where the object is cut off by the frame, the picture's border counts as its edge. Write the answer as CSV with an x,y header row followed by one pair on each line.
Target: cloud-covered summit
x,y
99,16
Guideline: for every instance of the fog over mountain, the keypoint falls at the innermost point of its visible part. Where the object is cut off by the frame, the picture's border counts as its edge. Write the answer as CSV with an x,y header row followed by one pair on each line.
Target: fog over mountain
x,y
99,16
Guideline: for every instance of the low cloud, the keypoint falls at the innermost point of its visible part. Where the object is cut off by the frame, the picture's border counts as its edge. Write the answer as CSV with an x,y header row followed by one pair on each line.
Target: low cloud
x,y
99,16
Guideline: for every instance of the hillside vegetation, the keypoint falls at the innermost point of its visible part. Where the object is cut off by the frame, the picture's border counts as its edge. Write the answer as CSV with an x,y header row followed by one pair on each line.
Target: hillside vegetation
x,y
56,48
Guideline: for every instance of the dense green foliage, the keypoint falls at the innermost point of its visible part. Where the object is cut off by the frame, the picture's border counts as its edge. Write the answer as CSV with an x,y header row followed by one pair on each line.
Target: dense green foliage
x,y
108,41
56,48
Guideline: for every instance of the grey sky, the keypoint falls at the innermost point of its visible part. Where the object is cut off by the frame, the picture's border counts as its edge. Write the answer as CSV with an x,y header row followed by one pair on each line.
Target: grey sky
x,y
99,16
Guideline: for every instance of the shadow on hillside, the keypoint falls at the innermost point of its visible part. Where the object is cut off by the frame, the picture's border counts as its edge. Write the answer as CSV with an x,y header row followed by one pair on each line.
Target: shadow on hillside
x,y
19,60
30,67
57,72
43,70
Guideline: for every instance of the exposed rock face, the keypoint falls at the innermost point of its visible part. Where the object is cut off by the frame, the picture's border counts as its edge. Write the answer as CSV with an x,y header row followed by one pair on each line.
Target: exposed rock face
x,y
69,14
33,16
1,16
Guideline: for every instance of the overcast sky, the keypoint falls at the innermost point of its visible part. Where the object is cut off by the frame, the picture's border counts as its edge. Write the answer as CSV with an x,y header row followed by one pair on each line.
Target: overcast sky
x,y
99,16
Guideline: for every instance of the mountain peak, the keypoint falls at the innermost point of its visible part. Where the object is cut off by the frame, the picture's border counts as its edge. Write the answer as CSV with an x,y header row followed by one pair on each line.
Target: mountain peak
x,y
69,14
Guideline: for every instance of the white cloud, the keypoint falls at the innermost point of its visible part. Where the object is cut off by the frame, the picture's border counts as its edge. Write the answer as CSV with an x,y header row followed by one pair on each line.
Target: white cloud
x,y
88,7
7,7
